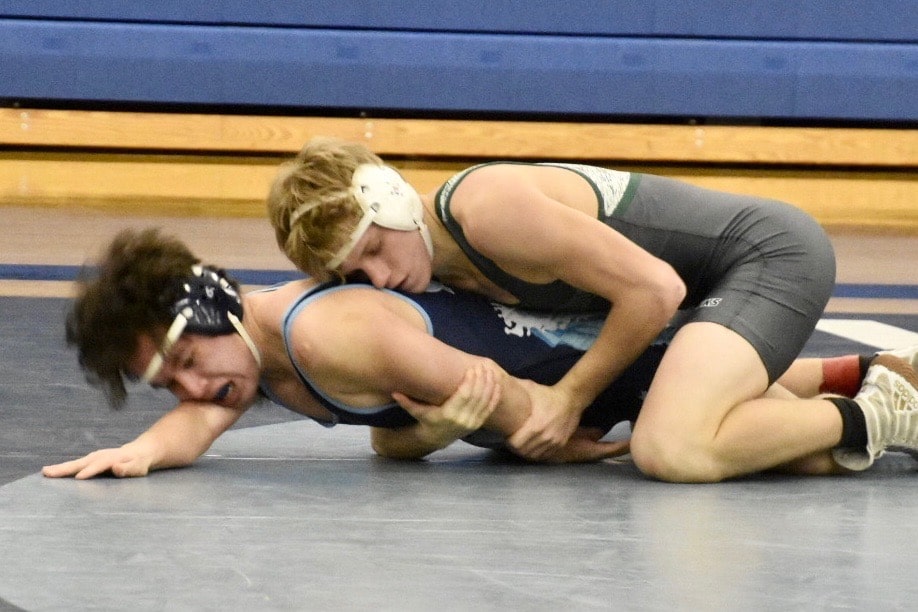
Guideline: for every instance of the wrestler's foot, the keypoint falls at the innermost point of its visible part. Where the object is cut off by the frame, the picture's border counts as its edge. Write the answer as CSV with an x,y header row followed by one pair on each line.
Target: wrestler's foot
x,y
908,353
889,399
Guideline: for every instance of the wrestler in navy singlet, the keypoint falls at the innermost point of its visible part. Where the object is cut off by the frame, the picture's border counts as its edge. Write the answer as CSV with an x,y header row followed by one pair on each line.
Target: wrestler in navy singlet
x,y
759,267
536,346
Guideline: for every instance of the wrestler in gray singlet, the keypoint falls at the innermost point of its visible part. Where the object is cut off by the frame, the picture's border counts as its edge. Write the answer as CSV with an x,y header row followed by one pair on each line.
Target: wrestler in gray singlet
x,y
759,267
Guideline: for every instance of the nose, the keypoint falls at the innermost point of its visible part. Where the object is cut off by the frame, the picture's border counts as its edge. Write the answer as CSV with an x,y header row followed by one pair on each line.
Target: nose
x,y
378,274
188,386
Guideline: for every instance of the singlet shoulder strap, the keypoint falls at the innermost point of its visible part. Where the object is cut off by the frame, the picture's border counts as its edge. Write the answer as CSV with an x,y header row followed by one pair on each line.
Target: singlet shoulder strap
x,y
548,294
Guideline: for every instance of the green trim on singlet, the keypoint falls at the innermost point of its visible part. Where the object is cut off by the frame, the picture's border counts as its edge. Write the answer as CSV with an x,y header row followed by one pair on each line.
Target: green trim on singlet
x,y
628,196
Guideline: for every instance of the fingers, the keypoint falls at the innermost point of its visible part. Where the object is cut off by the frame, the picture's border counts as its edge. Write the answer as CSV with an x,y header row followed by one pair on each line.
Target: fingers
x,y
584,450
462,397
528,447
96,463
415,409
552,420
469,407
92,470
608,450
129,468
62,470
481,392
534,442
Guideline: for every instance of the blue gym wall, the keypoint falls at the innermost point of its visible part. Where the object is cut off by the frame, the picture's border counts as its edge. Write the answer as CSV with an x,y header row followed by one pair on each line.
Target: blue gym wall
x,y
757,60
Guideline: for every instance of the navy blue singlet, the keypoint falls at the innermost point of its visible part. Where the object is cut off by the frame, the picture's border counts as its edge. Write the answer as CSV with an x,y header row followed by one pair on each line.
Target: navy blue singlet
x,y
538,346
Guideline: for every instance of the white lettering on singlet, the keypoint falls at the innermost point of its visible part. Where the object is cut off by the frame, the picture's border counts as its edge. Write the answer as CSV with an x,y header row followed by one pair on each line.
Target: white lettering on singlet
x,y
575,330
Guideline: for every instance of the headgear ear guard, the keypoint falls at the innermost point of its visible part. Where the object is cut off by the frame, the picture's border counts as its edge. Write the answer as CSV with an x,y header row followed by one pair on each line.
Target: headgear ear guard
x,y
206,300
388,201
208,305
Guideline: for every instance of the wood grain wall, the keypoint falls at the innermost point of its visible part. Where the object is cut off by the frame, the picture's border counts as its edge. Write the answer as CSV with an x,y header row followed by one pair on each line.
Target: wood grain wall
x,y
221,165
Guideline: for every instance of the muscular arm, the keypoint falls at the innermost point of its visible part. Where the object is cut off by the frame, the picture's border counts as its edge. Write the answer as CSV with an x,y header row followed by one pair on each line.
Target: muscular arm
x,y
363,347
419,440
540,239
177,439
465,411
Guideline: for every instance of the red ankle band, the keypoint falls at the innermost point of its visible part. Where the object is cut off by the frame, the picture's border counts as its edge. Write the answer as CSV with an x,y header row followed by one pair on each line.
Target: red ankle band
x,y
841,375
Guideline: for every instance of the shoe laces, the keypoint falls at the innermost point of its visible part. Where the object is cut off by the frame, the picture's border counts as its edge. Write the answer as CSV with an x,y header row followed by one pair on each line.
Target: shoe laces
x,y
902,401
904,405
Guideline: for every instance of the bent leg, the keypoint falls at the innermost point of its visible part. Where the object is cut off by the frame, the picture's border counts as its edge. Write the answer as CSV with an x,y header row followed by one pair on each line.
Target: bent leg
x,y
842,375
803,378
705,418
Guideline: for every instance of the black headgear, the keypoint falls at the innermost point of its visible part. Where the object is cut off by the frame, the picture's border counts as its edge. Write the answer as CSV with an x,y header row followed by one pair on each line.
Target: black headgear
x,y
206,298
207,304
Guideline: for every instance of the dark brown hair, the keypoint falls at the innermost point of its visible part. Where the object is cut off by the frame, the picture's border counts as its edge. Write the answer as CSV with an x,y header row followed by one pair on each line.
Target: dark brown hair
x,y
130,292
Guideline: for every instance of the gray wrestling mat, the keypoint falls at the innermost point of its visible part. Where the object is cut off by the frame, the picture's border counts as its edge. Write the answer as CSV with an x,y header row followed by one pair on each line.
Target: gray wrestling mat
x,y
282,514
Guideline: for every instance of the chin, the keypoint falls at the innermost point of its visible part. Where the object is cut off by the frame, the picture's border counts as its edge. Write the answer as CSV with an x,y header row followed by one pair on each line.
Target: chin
x,y
417,287
421,285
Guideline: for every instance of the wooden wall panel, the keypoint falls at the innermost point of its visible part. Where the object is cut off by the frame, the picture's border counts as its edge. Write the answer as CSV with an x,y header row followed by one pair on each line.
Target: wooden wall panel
x,y
222,165
236,186
253,134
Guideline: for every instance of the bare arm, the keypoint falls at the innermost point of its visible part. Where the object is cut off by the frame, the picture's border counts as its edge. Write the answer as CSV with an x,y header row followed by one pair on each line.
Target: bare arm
x,y
541,240
465,411
415,442
399,358
177,439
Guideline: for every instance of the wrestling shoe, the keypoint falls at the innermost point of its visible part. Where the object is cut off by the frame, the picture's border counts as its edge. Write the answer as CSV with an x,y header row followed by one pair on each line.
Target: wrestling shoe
x,y
889,399
908,354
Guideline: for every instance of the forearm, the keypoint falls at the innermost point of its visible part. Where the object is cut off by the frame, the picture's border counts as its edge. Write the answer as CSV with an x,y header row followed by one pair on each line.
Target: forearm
x,y
440,425
624,336
180,436
514,407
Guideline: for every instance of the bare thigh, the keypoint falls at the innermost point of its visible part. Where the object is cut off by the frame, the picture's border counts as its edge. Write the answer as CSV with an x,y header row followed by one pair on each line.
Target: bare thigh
x,y
708,369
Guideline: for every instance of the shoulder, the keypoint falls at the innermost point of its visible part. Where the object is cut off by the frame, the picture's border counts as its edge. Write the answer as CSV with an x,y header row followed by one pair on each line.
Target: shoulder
x,y
494,190
326,330
350,312
487,177
330,309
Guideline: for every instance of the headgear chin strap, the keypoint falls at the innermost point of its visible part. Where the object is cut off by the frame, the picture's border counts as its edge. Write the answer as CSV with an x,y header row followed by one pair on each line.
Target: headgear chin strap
x,y
388,201
208,305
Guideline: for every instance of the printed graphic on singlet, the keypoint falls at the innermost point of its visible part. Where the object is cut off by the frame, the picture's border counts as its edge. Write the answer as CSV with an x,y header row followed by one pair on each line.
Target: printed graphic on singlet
x,y
612,184
446,191
577,331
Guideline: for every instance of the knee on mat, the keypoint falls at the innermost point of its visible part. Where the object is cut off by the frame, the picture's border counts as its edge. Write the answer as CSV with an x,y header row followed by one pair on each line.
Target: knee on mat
x,y
673,458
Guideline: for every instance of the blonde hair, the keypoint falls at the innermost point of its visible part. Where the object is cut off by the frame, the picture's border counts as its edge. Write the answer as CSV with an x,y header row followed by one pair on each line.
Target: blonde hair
x,y
316,186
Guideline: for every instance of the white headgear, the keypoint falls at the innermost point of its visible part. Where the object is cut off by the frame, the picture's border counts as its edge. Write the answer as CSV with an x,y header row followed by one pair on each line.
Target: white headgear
x,y
388,201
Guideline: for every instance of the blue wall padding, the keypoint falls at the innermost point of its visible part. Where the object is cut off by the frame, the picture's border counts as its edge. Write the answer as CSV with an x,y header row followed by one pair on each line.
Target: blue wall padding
x,y
842,60
877,20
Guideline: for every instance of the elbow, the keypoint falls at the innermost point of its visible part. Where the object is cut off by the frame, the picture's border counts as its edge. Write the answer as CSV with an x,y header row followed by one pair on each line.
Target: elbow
x,y
668,294
380,447
386,448
385,452
675,294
